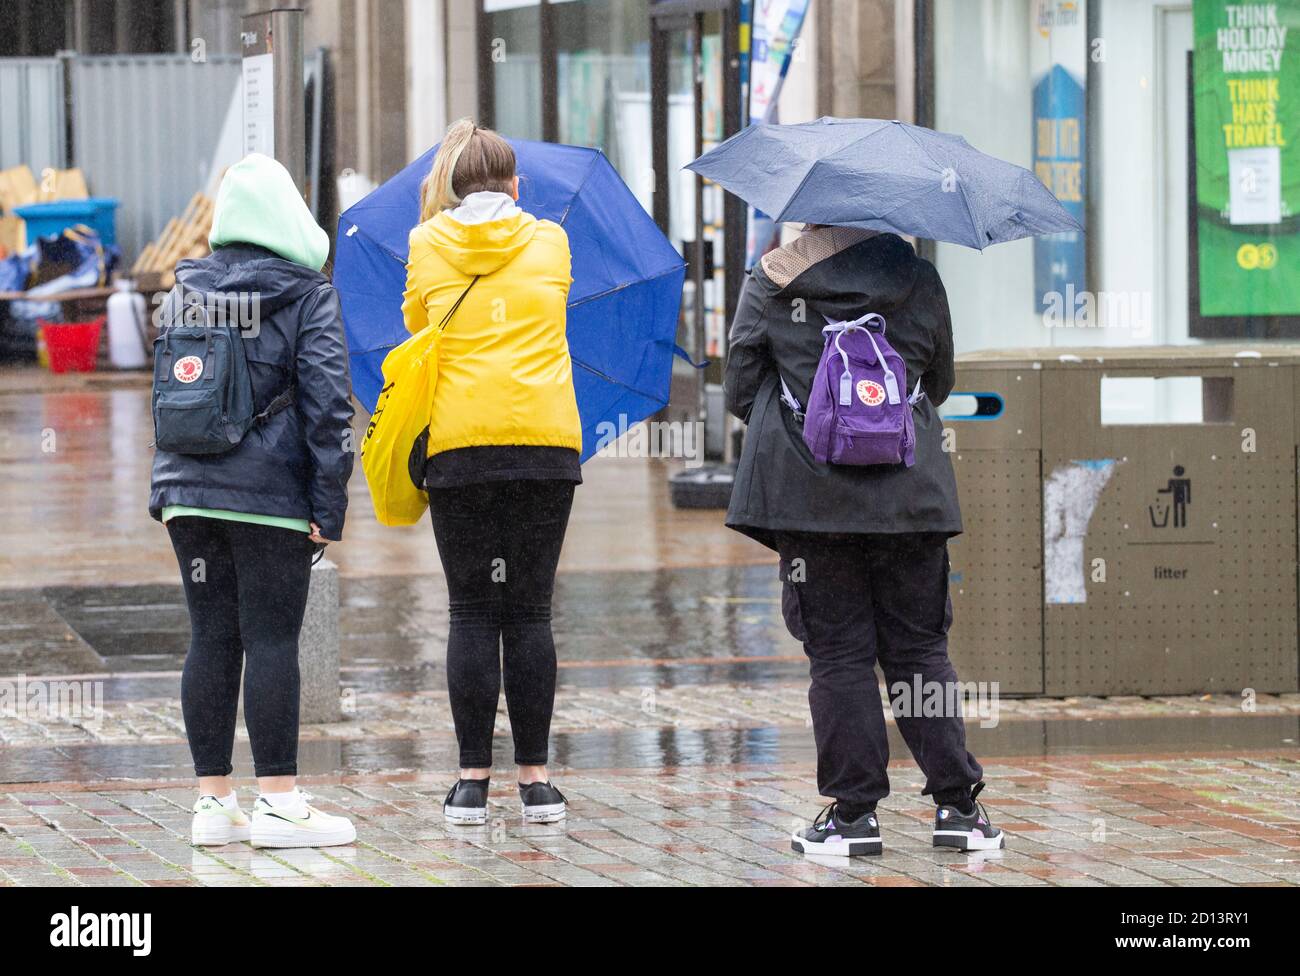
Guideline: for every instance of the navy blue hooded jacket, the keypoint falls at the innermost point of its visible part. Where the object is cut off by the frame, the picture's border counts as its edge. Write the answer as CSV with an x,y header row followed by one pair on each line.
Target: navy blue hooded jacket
x,y
296,464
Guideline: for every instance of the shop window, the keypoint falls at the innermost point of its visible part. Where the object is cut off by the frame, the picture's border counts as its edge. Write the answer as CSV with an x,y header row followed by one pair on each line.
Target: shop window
x,y
603,83
513,34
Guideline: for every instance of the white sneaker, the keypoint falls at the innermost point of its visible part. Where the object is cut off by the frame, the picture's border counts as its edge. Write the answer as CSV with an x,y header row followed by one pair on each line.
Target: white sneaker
x,y
215,825
298,826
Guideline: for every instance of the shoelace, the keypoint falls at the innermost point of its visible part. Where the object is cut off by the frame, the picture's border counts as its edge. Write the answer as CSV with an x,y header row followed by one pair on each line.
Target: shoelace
x,y
982,814
825,817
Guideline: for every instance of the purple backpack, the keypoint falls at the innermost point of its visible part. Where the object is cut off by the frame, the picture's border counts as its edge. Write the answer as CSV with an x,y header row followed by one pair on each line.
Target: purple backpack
x,y
856,413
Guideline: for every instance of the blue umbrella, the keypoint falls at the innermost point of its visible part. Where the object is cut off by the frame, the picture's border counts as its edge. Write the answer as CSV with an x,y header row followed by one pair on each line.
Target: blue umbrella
x,y
887,176
623,305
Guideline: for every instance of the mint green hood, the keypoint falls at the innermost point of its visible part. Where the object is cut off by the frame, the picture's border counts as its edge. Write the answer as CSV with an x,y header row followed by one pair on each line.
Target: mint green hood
x,y
258,204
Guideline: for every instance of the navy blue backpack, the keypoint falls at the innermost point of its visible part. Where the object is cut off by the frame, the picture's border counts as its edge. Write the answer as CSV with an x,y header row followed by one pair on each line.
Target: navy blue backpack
x,y
202,390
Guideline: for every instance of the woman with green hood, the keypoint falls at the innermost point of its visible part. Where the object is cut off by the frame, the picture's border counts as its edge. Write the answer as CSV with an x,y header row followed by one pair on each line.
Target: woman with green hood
x,y
246,523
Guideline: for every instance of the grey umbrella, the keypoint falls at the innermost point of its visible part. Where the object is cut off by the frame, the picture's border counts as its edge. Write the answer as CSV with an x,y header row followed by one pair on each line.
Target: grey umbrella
x,y
883,175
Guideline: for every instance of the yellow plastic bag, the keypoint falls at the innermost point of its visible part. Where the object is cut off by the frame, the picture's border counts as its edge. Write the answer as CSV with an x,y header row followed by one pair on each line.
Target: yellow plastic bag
x,y
401,417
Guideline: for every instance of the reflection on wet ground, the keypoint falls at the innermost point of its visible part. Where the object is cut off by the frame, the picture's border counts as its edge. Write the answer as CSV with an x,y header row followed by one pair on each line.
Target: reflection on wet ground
x,y
1070,821
663,668
664,747
688,615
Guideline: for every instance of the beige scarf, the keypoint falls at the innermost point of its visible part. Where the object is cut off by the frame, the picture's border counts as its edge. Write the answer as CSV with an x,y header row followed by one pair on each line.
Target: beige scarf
x,y
815,244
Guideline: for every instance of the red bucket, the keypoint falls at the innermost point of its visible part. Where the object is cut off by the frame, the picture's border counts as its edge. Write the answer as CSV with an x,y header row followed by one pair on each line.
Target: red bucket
x,y
72,346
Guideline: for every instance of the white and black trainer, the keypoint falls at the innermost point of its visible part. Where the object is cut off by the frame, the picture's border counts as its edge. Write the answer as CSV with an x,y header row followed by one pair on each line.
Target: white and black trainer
x,y
968,831
466,803
830,835
542,803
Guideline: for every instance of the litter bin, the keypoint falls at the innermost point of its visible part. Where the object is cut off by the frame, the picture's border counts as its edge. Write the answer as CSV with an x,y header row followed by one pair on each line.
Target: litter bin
x,y
992,431
1164,505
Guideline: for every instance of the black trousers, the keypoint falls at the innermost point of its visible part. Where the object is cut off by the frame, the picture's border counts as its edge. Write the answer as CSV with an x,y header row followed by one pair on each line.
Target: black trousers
x,y
500,544
856,599
246,586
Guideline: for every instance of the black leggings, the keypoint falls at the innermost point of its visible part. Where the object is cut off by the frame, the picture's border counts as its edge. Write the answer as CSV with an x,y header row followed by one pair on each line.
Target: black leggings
x,y
500,544
246,586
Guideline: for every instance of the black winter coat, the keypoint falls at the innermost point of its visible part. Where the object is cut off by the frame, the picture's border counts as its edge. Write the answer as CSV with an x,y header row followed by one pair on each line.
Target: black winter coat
x,y
297,463
779,486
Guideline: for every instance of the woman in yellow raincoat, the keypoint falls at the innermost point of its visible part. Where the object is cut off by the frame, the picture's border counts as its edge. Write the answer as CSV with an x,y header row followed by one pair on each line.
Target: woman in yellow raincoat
x,y
503,451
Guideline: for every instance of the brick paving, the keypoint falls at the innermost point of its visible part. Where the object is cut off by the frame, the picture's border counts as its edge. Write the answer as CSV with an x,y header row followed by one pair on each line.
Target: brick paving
x,y
676,777
1180,821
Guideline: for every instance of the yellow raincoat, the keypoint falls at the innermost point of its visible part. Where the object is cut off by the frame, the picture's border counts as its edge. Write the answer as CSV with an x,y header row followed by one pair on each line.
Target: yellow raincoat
x,y
504,374
498,374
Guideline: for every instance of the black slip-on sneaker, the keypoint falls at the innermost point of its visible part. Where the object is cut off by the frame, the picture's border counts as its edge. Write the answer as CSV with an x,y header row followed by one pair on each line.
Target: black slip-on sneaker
x,y
830,835
466,803
542,803
969,831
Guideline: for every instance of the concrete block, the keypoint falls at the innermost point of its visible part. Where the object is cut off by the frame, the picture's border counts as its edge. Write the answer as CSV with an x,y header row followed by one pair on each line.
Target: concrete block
x,y
318,646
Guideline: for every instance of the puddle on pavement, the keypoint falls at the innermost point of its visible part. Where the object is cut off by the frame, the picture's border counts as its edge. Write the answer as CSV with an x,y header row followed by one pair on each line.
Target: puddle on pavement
x,y
661,628
402,621
655,749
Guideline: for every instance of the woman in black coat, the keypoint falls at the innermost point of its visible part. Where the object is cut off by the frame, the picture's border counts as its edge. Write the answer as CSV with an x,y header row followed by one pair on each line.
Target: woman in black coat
x,y
864,560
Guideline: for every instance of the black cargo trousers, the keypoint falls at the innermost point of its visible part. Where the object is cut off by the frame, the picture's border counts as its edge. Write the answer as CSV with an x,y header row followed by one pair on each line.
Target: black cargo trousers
x,y
856,599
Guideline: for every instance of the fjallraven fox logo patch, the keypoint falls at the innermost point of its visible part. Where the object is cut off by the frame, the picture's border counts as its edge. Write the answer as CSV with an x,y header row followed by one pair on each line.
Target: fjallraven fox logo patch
x,y
871,393
188,369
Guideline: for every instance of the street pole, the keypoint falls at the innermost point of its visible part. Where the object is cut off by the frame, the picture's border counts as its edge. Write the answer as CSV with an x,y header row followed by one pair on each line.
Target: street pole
x,y
274,111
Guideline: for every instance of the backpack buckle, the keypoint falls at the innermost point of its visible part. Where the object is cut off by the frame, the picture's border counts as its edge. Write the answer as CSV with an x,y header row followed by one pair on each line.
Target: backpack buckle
x,y
790,400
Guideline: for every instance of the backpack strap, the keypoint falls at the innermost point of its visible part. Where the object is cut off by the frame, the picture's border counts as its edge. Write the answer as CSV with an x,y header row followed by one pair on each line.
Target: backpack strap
x,y
283,400
917,394
790,400
446,319
174,307
891,380
837,329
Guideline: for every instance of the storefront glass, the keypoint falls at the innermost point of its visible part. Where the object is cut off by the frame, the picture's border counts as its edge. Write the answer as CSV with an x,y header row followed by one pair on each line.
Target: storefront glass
x,y
1187,102
603,83
514,35
984,92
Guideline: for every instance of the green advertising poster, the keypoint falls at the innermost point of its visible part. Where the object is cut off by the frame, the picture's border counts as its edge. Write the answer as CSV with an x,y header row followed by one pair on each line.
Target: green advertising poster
x,y
1246,78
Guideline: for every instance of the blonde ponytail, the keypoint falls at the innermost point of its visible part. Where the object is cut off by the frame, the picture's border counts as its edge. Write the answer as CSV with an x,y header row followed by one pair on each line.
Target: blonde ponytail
x,y
469,160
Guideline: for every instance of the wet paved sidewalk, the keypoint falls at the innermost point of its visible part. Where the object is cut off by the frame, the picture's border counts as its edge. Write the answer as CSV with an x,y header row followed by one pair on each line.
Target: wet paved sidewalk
x,y
681,732
1069,821
774,704
692,782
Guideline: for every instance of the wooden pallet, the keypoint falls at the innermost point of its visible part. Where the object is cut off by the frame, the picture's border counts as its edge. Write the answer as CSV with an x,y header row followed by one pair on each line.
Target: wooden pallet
x,y
185,236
